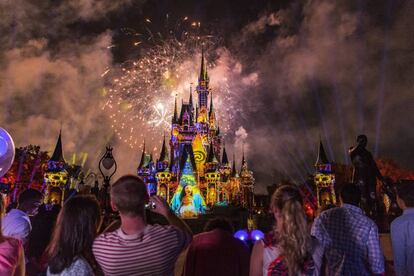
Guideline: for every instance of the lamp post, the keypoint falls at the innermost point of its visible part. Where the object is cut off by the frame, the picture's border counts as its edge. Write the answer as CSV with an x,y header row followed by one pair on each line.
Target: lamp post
x,y
108,163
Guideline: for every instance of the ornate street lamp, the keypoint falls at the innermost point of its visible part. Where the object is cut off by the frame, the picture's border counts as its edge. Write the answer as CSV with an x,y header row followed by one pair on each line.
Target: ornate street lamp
x,y
108,163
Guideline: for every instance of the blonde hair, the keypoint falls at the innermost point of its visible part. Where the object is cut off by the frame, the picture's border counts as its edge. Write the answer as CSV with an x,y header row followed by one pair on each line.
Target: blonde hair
x,y
293,236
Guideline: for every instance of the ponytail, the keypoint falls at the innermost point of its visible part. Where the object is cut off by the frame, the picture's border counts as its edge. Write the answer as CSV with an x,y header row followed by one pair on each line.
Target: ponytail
x,y
293,236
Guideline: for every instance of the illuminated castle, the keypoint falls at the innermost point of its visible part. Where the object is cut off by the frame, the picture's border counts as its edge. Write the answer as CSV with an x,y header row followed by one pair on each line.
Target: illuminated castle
x,y
195,173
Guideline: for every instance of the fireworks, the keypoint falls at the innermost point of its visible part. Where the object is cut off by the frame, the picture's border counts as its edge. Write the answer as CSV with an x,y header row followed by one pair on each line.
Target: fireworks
x,y
141,93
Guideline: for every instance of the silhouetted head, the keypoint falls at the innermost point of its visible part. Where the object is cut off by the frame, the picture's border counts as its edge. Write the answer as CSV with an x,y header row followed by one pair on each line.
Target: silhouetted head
x,y
350,194
219,223
29,201
362,140
405,193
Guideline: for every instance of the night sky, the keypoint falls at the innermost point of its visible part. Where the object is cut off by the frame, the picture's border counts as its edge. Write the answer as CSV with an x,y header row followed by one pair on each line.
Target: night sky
x,y
299,71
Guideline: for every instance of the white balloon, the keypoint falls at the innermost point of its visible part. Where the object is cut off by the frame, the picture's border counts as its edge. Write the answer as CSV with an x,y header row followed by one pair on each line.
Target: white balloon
x,y
7,151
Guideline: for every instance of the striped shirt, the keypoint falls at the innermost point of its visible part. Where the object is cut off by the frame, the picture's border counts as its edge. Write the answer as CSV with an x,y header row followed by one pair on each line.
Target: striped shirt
x,y
150,252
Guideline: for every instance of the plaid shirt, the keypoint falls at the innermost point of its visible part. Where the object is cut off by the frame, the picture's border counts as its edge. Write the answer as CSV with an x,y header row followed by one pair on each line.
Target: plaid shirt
x,y
351,241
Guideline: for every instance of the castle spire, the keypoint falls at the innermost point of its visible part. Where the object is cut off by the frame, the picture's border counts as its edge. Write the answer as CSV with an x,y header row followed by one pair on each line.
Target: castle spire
x,y
211,105
141,162
233,167
203,70
174,118
164,152
190,101
211,114
202,88
321,159
211,158
243,162
224,159
57,155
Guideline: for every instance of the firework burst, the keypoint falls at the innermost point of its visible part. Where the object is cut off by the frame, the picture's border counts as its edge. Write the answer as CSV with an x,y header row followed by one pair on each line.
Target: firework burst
x,y
140,93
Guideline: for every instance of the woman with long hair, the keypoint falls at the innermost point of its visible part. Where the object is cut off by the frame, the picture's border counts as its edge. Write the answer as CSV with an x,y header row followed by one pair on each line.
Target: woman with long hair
x,y
11,251
70,250
289,248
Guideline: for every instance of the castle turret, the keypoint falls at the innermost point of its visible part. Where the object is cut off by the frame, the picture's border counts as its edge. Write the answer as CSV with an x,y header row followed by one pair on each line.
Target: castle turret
x,y
163,175
57,155
247,184
141,162
212,115
164,157
321,158
203,78
203,91
324,179
225,168
233,168
212,176
190,101
56,175
175,116
211,158
243,163
224,159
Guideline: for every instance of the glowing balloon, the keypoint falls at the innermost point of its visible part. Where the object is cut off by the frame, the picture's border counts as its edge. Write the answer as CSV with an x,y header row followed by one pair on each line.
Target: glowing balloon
x,y
256,235
7,151
242,235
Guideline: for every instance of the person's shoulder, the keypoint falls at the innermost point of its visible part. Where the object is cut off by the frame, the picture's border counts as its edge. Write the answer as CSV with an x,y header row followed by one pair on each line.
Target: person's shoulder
x,y
397,222
13,241
107,237
215,235
81,263
79,267
158,229
202,236
330,213
369,222
316,244
13,244
268,239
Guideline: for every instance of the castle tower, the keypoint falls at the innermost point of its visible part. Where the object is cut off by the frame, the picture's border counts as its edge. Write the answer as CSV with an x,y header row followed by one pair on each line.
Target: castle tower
x,y
212,115
213,177
324,179
235,189
225,168
203,81
203,92
56,175
247,184
163,174
146,170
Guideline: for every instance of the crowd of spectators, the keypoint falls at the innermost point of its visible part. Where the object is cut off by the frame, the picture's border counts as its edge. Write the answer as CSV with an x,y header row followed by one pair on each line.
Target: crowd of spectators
x,y
69,241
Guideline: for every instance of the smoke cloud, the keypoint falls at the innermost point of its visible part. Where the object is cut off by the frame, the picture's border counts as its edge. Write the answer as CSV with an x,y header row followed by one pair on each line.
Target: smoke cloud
x,y
326,70
50,78
311,70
